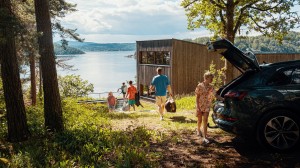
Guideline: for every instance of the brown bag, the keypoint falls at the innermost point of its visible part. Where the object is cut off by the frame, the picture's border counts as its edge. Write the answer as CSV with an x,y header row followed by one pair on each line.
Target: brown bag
x,y
170,105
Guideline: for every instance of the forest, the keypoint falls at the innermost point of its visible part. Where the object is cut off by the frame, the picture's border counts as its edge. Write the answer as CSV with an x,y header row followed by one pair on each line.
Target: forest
x,y
263,44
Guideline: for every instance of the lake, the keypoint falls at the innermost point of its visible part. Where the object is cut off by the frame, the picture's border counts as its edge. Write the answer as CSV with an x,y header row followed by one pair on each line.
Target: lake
x,y
105,70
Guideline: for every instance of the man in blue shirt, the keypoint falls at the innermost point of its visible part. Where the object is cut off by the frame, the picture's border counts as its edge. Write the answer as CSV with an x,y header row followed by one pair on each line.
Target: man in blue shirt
x,y
161,84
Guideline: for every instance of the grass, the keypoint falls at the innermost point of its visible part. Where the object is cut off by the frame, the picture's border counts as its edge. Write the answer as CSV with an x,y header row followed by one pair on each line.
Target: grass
x,y
95,138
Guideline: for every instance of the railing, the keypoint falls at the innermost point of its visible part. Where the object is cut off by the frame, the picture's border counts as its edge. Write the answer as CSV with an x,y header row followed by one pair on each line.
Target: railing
x,y
100,97
103,95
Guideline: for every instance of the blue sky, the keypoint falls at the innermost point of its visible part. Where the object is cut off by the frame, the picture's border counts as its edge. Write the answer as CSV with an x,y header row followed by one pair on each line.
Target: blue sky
x,y
122,21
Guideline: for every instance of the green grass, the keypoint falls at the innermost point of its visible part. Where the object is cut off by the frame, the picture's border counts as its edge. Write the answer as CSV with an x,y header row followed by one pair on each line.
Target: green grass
x,y
95,138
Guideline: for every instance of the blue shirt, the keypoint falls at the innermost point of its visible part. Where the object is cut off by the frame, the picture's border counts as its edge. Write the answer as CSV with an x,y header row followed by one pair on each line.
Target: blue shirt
x,y
161,83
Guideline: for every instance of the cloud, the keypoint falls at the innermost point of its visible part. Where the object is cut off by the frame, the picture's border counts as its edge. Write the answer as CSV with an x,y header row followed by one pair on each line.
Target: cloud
x,y
132,20
128,19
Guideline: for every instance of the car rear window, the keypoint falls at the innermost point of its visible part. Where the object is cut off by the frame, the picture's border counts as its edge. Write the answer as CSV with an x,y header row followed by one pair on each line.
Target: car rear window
x,y
281,78
296,76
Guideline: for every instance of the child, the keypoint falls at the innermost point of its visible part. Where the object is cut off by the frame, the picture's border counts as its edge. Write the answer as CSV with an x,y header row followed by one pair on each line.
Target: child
x,y
111,102
123,89
131,95
204,96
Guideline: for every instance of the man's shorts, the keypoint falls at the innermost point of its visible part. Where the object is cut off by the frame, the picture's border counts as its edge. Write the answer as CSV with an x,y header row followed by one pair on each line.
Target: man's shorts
x,y
160,100
131,102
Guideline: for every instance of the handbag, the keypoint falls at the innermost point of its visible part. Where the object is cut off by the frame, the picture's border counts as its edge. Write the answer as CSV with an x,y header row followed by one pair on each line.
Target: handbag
x,y
170,105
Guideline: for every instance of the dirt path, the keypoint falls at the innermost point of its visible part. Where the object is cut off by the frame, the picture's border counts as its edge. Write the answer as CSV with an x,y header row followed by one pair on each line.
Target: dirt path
x,y
183,148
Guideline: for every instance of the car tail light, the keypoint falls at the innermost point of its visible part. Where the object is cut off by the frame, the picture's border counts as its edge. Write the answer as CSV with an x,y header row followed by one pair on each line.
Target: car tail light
x,y
236,94
227,118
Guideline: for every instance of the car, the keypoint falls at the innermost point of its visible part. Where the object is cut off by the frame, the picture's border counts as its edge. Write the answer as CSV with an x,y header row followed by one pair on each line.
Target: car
x,y
263,102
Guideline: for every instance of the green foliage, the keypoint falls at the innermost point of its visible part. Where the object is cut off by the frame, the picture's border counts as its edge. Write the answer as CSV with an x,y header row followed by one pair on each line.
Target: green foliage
x,y
74,86
219,75
262,44
88,141
2,100
226,18
66,50
3,123
186,102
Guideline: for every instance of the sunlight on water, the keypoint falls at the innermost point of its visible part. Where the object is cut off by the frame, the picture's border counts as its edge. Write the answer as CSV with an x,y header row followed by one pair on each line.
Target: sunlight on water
x,y
105,70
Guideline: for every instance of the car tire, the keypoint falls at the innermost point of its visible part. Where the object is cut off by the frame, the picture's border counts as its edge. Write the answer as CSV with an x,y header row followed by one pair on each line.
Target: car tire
x,y
279,131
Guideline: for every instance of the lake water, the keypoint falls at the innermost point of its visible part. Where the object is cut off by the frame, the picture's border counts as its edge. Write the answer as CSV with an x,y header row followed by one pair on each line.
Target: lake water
x,y
105,70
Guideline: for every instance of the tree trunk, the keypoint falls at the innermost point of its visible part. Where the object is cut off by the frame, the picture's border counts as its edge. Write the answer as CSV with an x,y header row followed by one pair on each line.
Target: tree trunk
x,y
16,115
32,79
52,103
230,36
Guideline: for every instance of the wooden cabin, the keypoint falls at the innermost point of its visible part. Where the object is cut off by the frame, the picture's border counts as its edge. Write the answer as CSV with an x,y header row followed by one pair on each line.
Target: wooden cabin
x,y
182,61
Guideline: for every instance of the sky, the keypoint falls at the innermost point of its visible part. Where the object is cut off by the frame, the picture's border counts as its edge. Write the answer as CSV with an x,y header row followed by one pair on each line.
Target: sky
x,y
128,21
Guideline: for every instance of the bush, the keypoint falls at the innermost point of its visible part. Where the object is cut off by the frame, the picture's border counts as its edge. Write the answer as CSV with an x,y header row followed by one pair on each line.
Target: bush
x,y
74,86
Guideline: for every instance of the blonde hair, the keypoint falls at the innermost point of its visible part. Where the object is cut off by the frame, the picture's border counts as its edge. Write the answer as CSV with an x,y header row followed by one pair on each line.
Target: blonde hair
x,y
208,74
110,93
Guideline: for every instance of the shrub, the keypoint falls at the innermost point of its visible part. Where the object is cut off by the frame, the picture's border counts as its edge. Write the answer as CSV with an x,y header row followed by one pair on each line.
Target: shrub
x,y
74,86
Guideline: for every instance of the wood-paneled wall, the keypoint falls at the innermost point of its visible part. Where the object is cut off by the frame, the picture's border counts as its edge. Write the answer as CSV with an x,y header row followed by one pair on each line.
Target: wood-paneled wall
x,y
189,63
145,72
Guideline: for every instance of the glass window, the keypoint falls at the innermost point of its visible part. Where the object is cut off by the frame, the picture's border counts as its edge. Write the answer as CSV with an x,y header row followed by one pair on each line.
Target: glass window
x,y
159,58
167,58
296,76
281,78
151,57
143,57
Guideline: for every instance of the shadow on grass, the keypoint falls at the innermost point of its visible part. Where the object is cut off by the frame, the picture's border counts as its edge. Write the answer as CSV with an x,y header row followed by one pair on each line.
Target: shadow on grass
x,y
224,150
182,119
126,115
258,155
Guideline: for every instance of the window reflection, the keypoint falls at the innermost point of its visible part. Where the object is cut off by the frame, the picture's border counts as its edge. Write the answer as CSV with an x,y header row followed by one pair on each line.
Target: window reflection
x,y
155,57
296,76
281,78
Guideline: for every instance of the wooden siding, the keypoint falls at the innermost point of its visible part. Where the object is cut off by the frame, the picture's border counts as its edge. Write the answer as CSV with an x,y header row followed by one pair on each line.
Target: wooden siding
x,y
277,57
190,61
145,72
272,58
154,45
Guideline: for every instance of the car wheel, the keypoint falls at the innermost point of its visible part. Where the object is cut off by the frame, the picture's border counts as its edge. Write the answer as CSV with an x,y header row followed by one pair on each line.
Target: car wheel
x,y
279,130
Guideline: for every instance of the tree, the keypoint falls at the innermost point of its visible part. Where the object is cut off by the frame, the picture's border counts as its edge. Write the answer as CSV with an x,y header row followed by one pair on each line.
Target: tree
x,y
27,47
52,102
74,86
273,18
16,116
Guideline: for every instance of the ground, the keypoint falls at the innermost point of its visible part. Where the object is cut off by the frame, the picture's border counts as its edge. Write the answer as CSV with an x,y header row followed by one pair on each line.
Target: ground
x,y
183,148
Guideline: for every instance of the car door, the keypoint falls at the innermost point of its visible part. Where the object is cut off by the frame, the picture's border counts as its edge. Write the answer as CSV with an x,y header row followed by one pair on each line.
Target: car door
x,y
288,79
294,88
243,61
